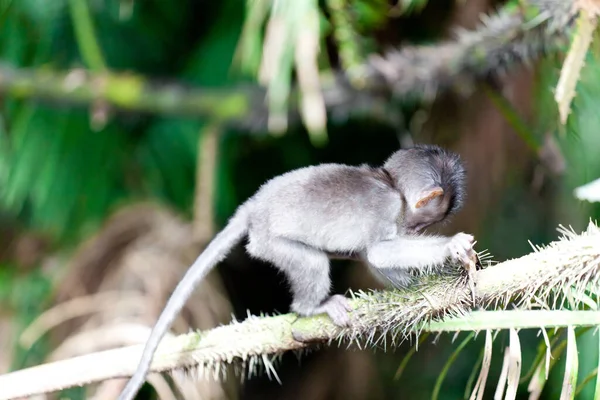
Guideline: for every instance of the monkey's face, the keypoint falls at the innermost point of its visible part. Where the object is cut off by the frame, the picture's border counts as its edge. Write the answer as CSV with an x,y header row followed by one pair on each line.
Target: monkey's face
x,y
434,210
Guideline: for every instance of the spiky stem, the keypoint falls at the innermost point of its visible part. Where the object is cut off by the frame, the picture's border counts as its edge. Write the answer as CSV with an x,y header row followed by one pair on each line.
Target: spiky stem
x,y
568,266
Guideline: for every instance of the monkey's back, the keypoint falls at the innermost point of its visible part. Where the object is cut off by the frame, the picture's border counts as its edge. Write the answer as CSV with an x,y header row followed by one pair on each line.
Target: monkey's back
x,y
331,206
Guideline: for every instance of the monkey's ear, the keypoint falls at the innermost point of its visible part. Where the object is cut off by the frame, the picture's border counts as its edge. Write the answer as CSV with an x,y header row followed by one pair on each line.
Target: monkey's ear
x,y
429,195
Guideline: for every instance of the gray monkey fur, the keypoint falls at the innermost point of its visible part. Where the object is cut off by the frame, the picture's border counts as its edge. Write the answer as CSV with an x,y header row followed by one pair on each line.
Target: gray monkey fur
x,y
299,220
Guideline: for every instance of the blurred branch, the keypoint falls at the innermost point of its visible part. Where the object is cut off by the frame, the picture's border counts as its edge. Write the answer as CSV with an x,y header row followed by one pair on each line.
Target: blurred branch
x,y
539,278
125,91
504,40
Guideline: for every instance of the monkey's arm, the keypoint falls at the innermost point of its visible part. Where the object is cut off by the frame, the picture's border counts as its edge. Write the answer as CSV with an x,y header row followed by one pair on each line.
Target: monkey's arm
x,y
408,252
419,251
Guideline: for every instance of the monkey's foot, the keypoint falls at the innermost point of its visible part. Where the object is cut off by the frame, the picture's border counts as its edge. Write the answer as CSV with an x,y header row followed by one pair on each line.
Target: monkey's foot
x,y
338,308
460,248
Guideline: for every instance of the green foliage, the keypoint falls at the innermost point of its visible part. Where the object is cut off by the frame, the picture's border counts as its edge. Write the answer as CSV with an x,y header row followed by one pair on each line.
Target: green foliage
x,y
24,297
29,30
59,171
579,139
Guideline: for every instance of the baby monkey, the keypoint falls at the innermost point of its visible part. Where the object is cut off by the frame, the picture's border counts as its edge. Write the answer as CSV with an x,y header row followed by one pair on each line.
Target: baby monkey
x,y
299,220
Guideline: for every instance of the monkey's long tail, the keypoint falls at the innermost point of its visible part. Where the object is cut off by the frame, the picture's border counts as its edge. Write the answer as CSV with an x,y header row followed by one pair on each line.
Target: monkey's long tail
x,y
216,251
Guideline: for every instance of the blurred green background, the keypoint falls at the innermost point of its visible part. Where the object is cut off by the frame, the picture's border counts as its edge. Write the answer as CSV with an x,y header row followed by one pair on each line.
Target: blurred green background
x,y
66,169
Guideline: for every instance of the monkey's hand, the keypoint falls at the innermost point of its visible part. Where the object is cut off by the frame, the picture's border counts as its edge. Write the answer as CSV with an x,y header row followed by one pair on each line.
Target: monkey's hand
x,y
460,248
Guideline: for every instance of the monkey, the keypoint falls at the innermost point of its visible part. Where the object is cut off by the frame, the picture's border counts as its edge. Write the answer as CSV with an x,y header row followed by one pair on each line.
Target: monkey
x,y
301,219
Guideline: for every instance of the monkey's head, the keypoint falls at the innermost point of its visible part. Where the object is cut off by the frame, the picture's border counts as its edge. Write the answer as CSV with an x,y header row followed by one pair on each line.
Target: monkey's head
x,y
432,181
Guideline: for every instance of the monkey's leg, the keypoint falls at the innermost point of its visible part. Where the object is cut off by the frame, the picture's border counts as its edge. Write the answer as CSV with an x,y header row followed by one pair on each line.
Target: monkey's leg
x,y
307,271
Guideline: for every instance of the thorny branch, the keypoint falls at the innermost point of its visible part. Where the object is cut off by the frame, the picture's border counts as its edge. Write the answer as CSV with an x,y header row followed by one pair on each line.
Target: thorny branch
x,y
542,279
503,41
